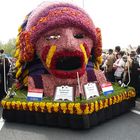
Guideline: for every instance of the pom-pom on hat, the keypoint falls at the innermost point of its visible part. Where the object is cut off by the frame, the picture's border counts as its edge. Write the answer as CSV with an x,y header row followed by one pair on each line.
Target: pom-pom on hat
x,y
48,16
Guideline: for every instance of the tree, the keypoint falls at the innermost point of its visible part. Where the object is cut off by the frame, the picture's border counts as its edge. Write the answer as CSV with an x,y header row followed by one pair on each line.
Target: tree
x,y
9,47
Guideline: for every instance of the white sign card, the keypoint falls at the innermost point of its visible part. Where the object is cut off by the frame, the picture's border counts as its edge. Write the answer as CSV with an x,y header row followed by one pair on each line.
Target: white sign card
x,y
91,90
64,93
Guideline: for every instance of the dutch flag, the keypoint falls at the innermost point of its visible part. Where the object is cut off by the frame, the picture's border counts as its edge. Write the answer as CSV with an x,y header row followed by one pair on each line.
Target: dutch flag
x,y
35,95
107,88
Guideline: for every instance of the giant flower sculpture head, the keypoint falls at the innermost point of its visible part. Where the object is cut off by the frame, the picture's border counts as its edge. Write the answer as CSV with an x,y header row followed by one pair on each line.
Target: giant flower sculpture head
x,y
63,36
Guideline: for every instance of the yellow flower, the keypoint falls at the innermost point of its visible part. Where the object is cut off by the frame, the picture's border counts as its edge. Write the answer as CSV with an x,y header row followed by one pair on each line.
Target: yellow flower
x,y
19,72
17,53
3,102
49,106
123,96
56,107
63,107
101,104
78,108
24,105
91,108
133,94
99,59
70,107
20,57
30,106
106,103
86,111
36,105
13,104
98,62
126,95
18,105
17,40
42,106
25,80
18,64
117,99
130,93
96,106
8,105
114,100
110,101
120,97
20,29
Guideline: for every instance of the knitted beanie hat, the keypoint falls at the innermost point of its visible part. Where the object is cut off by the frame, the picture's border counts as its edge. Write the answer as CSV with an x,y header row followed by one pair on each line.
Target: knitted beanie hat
x,y
46,17
49,16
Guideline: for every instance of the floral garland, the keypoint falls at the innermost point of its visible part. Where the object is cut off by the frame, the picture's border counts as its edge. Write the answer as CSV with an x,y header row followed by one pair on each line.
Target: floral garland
x,y
98,49
68,108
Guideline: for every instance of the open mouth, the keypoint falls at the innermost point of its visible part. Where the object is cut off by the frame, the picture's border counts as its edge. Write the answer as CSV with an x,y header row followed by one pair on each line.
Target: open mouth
x,y
67,64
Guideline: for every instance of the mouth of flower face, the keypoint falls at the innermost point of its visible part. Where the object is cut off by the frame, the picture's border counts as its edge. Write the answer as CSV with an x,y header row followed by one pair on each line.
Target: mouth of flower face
x,y
68,63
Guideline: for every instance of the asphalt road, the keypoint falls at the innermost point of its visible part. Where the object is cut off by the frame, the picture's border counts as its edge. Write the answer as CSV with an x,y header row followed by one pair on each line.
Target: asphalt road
x,y
124,127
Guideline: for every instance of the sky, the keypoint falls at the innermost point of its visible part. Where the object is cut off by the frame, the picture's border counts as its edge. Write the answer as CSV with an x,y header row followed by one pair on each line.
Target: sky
x,y
119,20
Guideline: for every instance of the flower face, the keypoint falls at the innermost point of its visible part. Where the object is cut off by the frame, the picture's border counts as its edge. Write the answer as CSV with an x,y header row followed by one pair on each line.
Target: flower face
x,y
64,51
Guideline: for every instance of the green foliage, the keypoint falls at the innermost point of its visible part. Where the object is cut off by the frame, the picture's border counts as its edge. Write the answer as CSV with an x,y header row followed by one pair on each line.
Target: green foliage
x,y
9,47
21,95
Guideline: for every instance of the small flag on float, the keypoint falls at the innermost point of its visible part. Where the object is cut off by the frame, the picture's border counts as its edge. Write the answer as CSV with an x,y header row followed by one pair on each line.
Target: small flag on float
x,y
35,94
107,88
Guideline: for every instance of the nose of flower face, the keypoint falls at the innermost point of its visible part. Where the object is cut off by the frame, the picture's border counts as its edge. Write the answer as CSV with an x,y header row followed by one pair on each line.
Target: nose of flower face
x,y
70,43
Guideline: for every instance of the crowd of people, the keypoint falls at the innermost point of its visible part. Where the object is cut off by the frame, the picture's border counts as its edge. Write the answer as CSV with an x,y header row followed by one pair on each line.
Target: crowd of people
x,y
122,67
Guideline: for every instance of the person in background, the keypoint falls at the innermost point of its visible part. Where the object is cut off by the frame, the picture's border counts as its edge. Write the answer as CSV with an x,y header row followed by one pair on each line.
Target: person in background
x,y
125,77
135,72
109,66
132,54
7,66
117,51
119,67
12,72
103,65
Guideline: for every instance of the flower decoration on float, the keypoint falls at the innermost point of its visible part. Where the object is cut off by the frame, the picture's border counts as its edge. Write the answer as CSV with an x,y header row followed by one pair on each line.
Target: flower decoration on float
x,y
69,108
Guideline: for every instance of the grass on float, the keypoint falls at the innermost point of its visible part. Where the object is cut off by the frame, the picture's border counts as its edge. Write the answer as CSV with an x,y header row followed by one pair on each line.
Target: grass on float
x,y
21,95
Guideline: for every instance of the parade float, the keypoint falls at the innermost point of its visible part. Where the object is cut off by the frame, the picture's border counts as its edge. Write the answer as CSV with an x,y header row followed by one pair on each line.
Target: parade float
x,y
58,80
